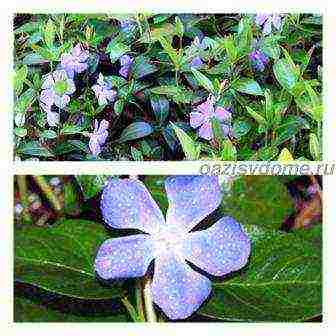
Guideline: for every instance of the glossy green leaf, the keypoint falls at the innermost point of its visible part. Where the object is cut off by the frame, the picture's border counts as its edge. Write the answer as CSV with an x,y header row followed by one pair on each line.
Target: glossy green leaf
x,y
91,185
25,101
258,118
136,130
19,78
60,259
33,148
249,86
116,49
160,106
142,67
314,147
286,73
203,81
282,281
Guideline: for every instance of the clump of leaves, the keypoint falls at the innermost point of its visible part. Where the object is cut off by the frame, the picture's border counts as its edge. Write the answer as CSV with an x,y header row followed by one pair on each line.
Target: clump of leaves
x,y
157,70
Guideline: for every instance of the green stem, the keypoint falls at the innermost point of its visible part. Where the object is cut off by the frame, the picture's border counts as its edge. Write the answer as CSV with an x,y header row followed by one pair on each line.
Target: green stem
x,y
139,301
130,309
148,301
46,189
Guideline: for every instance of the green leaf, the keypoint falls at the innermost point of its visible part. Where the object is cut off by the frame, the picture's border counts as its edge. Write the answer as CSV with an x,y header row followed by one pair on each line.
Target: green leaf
x,y
178,94
20,132
116,49
285,156
228,151
49,134
136,130
270,47
33,148
231,49
26,310
160,106
91,185
119,106
33,59
258,118
19,78
71,129
249,86
240,128
263,201
314,147
142,67
190,149
25,101
203,81
172,53
286,73
49,34
281,283
136,154
179,27
60,259
156,186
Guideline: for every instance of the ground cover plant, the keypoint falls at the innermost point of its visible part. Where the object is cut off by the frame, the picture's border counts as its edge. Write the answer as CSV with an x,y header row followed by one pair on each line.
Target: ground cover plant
x,y
168,86
86,249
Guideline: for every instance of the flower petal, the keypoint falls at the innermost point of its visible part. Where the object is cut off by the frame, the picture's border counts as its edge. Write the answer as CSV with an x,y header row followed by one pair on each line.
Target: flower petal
x,y
124,257
126,203
48,82
191,199
222,114
196,119
205,131
94,145
71,87
177,289
276,19
219,250
261,18
207,108
47,97
53,118
61,101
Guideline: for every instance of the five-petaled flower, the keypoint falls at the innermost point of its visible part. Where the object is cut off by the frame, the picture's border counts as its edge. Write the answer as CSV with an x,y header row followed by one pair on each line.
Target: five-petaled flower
x,y
75,61
56,90
176,288
103,91
267,20
98,137
204,113
125,63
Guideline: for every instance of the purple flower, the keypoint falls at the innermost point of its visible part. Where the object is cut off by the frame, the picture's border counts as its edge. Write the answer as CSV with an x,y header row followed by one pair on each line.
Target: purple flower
x,y
103,91
75,62
176,288
98,137
125,63
197,44
56,89
201,118
258,59
267,20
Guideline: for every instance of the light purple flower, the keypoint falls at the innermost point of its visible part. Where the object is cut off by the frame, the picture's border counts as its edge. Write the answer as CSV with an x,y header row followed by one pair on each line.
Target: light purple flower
x,y
56,90
98,137
103,91
205,112
125,63
176,288
267,21
258,60
197,44
75,62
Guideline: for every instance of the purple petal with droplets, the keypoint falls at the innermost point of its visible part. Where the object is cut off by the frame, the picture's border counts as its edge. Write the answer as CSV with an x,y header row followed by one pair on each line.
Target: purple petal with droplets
x,y
177,289
219,250
124,257
191,199
196,119
126,203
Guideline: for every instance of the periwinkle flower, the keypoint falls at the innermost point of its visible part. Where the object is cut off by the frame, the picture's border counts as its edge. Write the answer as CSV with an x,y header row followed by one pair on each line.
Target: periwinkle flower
x,y
205,112
125,63
198,44
75,61
176,288
258,60
103,91
56,90
267,21
98,137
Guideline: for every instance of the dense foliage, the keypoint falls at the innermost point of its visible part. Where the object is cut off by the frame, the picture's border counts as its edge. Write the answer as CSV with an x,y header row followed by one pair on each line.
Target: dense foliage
x,y
59,228
168,87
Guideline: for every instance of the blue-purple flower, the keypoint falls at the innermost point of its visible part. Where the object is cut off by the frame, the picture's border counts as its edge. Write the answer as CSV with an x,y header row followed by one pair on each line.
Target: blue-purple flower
x,y
258,60
176,287
75,61
204,113
267,21
56,90
198,44
103,91
98,137
125,63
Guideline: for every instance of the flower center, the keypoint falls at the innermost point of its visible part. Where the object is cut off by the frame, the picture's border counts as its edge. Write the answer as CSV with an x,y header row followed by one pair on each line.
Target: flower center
x,y
60,87
169,240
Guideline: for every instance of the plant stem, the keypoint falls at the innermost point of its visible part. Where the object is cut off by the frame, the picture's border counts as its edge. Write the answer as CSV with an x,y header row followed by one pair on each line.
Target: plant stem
x,y
148,301
45,187
139,301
